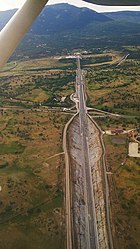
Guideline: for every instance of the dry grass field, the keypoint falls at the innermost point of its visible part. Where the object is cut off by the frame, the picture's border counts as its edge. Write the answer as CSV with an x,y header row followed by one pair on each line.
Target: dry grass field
x,y
124,191
31,155
31,203
115,89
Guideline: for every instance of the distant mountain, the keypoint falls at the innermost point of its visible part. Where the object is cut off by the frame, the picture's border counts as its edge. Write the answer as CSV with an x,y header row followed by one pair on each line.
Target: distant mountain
x,y
58,18
5,16
61,17
64,18
124,16
64,27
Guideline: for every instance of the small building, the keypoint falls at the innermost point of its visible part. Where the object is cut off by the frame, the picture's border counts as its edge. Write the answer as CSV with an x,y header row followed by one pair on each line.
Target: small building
x,y
63,99
130,134
117,131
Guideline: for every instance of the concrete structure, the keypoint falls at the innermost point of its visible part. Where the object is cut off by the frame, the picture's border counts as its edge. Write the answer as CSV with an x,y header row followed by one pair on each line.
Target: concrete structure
x,y
133,150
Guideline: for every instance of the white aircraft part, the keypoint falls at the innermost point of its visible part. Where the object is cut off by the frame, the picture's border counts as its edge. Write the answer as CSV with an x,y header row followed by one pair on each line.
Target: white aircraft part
x,y
16,28
115,2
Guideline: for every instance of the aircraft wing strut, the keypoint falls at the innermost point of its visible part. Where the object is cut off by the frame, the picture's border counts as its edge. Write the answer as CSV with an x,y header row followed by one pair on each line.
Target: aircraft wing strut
x,y
16,28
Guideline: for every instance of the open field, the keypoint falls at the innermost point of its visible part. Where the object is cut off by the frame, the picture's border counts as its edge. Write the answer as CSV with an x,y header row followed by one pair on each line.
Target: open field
x,y
118,122
125,192
31,154
32,84
109,87
115,89
31,204
31,176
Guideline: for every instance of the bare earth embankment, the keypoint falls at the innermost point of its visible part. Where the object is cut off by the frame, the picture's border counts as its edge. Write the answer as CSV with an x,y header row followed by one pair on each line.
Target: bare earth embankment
x,y
77,184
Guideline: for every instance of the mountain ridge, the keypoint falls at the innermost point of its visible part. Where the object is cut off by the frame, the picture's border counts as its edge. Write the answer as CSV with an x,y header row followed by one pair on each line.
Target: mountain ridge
x,y
62,17
64,26
131,16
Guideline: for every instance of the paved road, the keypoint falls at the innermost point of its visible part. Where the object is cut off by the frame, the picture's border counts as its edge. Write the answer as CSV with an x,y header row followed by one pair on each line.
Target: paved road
x,y
123,59
90,214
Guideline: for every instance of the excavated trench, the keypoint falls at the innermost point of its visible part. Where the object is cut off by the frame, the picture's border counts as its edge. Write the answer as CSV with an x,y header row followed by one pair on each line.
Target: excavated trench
x,y
78,203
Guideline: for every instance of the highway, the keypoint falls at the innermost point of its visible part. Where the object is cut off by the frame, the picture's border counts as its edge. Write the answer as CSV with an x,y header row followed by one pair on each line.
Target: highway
x,y
91,234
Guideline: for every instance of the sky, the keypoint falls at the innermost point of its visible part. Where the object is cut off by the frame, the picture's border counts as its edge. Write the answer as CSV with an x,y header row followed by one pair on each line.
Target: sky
x,y
11,4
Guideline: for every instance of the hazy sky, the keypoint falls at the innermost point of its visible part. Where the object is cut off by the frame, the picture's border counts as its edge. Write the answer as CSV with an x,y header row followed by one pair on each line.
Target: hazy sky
x,y
10,4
